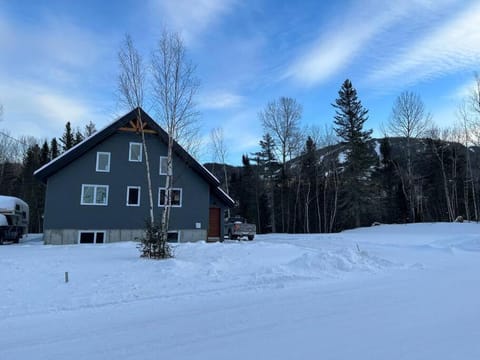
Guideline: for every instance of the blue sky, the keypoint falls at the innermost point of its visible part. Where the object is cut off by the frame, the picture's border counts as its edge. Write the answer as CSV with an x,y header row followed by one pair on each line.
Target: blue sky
x,y
58,59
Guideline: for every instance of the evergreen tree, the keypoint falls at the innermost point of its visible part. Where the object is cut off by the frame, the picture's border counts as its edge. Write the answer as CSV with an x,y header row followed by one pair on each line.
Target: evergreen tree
x,y
309,175
248,201
78,137
267,165
68,138
44,154
33,192
90,129
54,152
350,116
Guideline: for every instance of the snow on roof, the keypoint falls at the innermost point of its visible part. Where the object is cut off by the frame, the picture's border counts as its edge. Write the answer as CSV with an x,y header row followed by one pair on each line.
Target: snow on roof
x,y
224,193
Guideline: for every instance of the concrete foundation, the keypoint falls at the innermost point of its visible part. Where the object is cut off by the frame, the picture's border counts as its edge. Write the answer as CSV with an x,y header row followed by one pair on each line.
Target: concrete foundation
x,y
72,236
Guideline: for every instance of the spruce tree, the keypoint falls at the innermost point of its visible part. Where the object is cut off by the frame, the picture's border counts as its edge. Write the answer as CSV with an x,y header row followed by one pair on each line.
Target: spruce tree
x,y
67,139
78,137
90,129
350,116
267,165
54,152
44,154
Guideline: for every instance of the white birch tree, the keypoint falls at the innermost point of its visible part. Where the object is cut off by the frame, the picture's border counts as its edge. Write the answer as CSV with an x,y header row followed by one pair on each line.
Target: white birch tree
x,y
175,87
220,152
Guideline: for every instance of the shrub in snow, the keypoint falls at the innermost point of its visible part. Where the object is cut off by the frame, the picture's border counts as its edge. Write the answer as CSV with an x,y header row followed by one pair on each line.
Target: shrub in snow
x,y
154,243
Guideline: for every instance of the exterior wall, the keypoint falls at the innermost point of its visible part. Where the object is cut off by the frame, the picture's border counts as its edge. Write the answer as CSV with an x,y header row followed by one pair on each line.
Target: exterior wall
x,y
71,236
63,210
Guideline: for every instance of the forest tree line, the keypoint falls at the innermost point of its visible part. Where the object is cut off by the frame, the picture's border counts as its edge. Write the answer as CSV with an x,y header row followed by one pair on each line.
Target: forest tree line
x,y
327,180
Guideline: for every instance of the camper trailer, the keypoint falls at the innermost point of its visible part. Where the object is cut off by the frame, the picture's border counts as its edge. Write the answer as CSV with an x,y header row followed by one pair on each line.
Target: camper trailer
x,y
13,219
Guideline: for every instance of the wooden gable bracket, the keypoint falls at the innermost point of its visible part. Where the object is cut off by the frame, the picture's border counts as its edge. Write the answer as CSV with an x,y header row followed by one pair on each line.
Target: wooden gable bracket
x,y
135,126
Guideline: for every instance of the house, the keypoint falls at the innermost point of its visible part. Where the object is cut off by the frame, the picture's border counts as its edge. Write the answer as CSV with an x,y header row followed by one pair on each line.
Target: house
x,y
97,191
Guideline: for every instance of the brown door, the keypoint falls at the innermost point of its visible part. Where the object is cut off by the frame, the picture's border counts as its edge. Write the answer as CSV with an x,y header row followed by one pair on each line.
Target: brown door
x,y
214,223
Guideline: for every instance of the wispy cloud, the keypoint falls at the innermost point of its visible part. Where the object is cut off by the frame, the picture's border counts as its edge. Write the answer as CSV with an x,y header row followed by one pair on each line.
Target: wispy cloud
x,y
42,111
191,18
340,43
450,47
47,69
219,100
463,91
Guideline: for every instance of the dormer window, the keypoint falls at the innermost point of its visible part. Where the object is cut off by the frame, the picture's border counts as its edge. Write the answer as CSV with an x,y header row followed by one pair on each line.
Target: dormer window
x,y
135,152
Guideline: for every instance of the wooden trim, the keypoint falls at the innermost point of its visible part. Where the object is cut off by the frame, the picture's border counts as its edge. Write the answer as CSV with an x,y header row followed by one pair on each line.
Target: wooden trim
x,y
146,131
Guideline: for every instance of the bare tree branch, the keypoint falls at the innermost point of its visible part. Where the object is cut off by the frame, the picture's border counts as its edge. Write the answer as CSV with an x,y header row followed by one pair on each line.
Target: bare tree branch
x,y
175,87
131,85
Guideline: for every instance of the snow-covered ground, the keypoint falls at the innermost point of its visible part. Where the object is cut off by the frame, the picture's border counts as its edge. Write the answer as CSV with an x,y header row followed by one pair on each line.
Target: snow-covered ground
x,y
386,292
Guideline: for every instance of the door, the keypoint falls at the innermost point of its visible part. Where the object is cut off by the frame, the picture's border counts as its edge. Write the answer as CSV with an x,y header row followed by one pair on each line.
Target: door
x,y
214,223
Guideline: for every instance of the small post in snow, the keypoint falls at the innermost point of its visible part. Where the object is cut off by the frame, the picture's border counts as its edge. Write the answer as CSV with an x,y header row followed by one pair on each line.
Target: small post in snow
x,y
66,276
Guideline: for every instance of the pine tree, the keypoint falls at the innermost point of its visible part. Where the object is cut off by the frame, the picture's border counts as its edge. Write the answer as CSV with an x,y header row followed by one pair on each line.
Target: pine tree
x,y
78,137
54,152
248,201
33,192
267,165
309,175
349,120
90,129
67,139
44,154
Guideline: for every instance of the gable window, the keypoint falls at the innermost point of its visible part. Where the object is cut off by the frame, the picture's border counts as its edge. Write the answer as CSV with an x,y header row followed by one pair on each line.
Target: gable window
x,y
133,196
135,152
103,162
176,197
94,195
163,165
91,237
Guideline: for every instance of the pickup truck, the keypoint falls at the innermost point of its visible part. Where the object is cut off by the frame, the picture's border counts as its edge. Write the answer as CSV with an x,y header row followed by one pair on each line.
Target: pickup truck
x,y
236,227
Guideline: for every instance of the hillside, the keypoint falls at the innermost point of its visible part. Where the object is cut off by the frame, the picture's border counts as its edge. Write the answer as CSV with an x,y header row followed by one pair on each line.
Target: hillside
x,y
441,186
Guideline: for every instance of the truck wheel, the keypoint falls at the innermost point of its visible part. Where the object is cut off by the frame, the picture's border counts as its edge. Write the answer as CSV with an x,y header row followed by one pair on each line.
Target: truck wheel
x,y
250,237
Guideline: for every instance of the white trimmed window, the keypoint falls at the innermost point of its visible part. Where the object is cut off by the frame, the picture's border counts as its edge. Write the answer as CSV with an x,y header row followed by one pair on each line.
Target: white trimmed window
x,y
135,152
163,165
91,237
133,196
176,197
103,162
94,195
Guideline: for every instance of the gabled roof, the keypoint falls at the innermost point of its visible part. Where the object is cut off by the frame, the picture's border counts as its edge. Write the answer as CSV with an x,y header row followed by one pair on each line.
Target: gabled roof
x,y
75,152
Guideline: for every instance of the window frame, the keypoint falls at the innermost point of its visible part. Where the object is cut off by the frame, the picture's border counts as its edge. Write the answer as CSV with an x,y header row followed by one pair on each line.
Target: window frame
x,y
165,158
173,189
95,186
130,152
95,233
139,188
99,153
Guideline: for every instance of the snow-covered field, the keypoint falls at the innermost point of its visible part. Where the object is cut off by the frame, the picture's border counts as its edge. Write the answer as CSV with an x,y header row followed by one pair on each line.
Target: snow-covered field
x,y
386,292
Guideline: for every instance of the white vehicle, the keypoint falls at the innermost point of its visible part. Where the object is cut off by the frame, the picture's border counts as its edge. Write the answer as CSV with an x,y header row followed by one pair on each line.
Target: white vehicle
x,y
13,219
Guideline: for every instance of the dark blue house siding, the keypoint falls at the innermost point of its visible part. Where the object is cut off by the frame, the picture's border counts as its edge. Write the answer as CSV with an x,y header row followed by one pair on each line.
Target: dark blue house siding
x,y
63,208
